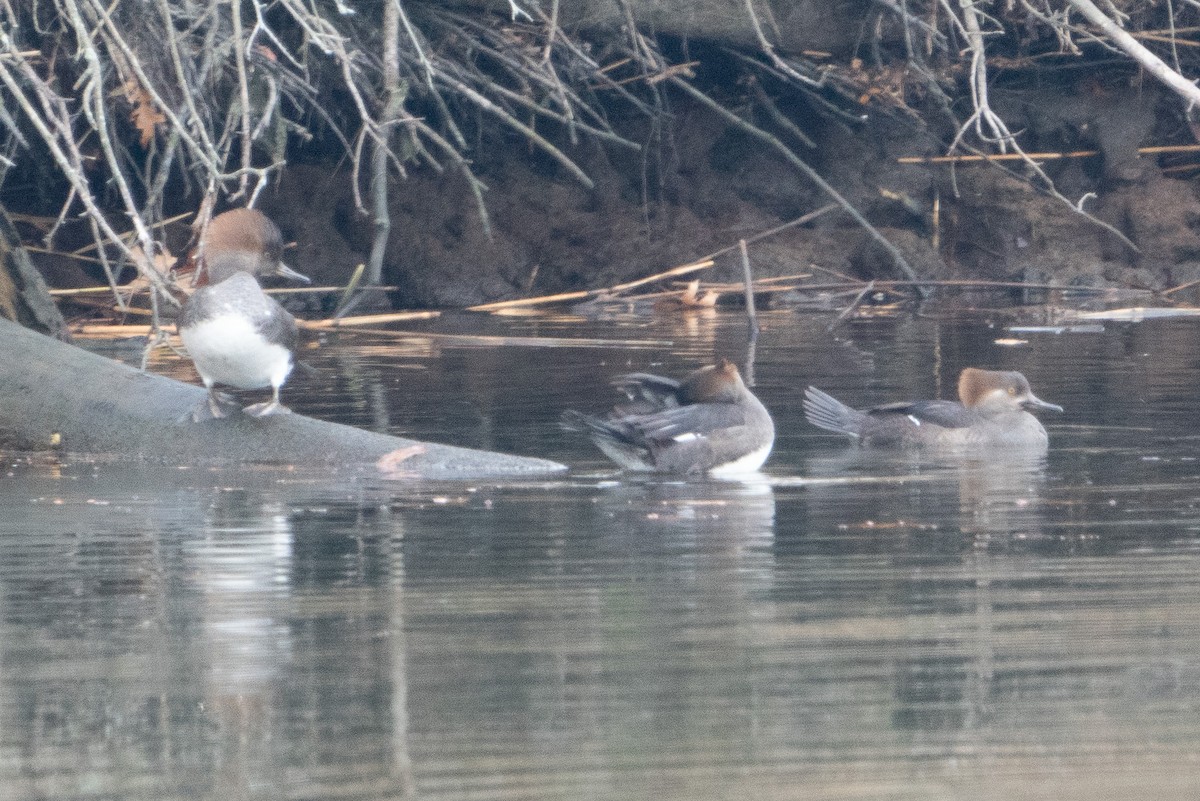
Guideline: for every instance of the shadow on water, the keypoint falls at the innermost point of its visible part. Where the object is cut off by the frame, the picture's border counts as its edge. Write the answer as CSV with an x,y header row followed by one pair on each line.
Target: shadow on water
x,y
848,624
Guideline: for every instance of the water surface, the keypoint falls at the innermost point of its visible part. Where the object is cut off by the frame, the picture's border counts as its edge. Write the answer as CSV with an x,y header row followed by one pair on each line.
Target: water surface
x,y
846,625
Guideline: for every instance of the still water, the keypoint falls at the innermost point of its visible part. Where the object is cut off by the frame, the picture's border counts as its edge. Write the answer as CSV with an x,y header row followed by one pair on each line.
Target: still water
x,y
847,625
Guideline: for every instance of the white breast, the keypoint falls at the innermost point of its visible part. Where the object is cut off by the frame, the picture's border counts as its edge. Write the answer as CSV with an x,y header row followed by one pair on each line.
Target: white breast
x,y
228,350
745,464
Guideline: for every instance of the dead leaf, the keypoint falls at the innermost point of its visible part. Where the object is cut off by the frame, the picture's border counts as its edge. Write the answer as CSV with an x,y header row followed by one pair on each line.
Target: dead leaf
x,y
163,261
143,114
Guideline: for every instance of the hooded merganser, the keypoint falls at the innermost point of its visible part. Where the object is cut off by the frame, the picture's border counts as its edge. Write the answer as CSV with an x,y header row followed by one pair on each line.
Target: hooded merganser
x,y
709,422
993,412
235,334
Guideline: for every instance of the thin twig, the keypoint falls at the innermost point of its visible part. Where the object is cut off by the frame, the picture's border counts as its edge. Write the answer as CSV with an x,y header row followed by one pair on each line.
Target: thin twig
x,y
858,299
239,60
1181,287
801,220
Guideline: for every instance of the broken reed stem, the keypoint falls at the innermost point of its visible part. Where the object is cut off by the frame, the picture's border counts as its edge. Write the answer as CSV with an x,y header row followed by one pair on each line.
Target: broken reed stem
x,y
512,304
1181,287
87,290
484,340
110,331
1071,154
644,296
967,284
748,279
751,313
333,323
311,290
801,220
761,285
854,304
758,287
683,269
349,300
115,331
765,286
308,325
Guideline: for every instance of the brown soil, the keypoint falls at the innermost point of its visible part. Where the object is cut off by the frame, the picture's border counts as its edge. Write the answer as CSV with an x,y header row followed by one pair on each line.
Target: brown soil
x,y
714,186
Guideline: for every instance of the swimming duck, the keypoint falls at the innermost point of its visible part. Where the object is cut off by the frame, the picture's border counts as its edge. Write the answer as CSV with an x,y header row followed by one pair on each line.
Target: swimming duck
x,y
709,422
994,412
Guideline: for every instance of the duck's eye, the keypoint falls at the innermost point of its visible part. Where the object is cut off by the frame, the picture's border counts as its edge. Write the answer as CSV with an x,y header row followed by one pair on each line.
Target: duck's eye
x,y
1012,390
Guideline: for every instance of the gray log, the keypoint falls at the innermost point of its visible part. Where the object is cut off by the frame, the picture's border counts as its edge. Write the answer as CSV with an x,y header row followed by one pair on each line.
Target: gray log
x,y
57,396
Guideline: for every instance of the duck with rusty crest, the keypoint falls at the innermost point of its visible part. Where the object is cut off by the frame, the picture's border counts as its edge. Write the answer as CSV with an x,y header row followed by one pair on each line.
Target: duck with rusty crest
x,y
993,411
709,422
236,334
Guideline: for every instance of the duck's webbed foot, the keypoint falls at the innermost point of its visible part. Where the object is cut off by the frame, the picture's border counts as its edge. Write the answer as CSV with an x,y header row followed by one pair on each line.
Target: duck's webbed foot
x,y
268,408
216,406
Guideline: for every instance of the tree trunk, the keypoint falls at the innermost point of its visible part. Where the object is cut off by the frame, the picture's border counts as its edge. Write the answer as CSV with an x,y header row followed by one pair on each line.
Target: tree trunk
x,y
24,297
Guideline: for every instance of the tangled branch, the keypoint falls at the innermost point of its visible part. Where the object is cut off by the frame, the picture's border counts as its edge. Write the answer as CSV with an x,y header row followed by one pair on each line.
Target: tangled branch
x,y
215,92
128,101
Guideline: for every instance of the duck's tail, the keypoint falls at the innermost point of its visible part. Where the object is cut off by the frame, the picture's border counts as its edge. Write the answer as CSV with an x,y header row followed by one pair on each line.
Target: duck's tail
x,y
571,420
827,412
619,442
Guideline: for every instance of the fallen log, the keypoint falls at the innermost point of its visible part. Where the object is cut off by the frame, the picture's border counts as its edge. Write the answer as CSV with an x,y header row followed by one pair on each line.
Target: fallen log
x,y
55,396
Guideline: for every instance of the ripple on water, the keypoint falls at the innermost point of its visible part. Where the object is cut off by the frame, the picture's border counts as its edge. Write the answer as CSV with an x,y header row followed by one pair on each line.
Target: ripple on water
x,y
849,625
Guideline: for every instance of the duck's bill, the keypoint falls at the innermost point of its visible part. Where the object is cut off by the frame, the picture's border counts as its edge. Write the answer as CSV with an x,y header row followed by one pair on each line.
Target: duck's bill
x,y
288,272
1032,403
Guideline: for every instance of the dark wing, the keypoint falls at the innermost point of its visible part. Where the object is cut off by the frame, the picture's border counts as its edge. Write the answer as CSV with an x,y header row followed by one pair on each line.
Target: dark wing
x,y
278,325
944,413
679,423
270,319
647,392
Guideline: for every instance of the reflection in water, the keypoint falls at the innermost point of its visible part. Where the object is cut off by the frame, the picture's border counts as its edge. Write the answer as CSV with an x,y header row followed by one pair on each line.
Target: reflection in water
x,y
597,657
853,624
239,572
202,644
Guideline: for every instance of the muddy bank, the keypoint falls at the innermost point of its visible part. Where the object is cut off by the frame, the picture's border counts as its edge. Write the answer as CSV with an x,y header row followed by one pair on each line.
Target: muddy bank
x,y
713,185
698,184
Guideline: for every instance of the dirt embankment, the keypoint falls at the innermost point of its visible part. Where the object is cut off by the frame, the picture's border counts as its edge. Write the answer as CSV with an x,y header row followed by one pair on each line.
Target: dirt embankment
x,y
700,184
722,98
709,185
